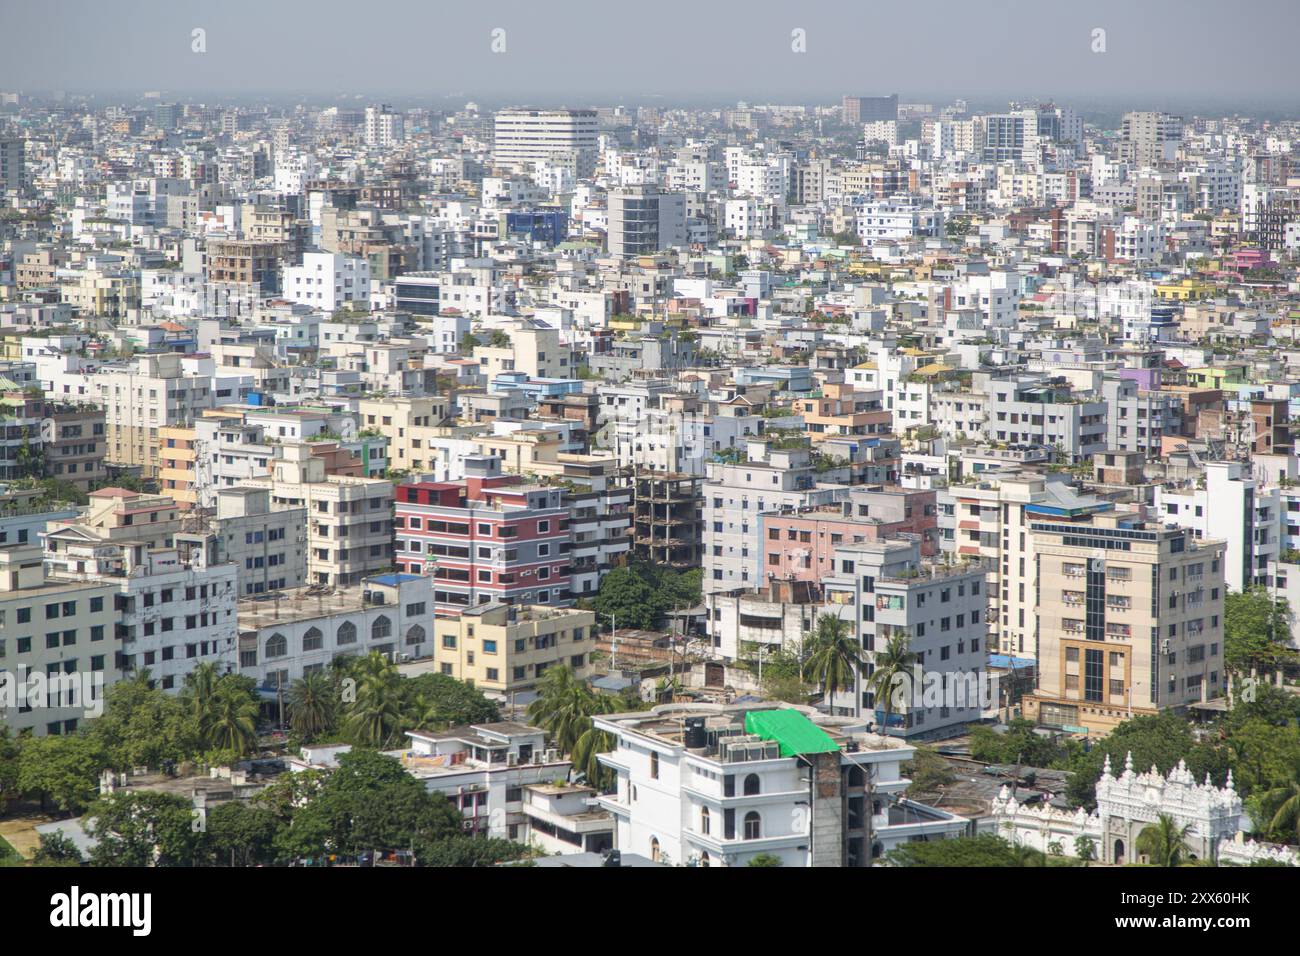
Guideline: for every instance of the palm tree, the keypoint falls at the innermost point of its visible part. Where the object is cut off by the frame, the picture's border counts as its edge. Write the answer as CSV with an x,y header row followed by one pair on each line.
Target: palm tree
x,y
199,695
835,657
313,704
1163,843
375,717
1284,802
563,707
585,763
892,662
233,725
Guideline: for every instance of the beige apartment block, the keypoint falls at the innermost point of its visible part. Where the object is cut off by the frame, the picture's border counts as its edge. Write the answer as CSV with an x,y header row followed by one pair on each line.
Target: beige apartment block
x,y
176,475
349,520
149,394
504,648
409,424
1130,621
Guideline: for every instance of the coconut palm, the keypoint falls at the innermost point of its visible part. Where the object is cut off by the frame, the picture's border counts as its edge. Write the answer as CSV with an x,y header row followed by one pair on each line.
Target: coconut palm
x,y
563,707
233,725
374,718
313,705
199,695
585,763
1283,805
1164,843
892,662
834,658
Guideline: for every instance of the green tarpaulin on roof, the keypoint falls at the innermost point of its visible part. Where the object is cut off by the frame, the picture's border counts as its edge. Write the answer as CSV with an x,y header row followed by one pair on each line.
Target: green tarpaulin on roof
x,y
794,732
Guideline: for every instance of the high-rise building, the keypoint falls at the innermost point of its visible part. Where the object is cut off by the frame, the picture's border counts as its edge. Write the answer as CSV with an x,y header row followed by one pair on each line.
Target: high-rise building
x,y
523,136
384,128
12,164
643,221
1129,621
869,109
1148,138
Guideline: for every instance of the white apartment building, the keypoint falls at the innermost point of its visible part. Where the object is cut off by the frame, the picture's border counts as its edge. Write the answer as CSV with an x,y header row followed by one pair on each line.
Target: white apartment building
x,y
175,610
349,520
717,785
896,220
939,609
735,498
1232,507
53,628
328,281
523,136
384,129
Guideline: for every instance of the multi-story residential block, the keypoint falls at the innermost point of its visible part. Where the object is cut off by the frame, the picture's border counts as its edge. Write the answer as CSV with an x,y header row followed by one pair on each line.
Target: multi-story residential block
x,y
328,281
988,518
59,646
1139,418
175,608
1027,411
526,136
267,546
1129,621
486,539
718,785
139,399
349,519
505,648
736,496
1232,507
939,610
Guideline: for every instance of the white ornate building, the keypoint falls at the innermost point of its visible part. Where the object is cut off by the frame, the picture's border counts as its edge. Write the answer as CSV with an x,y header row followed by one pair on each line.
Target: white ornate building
x,y
1128,804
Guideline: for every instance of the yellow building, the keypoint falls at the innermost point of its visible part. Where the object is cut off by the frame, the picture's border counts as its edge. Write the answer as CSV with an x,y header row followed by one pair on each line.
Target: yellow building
x,y
176,475
1184,290
409,424
1129,621
503,648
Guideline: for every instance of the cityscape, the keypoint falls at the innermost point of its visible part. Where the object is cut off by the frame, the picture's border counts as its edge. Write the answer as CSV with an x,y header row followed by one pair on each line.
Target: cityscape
x,y
509,475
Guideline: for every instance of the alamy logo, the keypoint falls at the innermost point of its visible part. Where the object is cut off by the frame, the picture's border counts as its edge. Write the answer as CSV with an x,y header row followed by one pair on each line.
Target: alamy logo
x,y
73,909
22,689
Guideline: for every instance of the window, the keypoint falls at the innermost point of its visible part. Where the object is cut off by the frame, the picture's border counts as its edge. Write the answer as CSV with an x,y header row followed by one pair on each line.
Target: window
x,y
277,645
415,636
752,785
382,628
347,633
753,825
704,820
654,765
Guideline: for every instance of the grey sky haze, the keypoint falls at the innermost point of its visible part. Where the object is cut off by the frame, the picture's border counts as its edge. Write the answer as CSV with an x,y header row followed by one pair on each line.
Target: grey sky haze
x,y
1240,53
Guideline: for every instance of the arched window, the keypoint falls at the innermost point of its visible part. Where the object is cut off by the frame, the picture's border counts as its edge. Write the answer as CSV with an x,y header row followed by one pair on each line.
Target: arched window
x,y
704,820
654,849
415,636
654,765
704,858
277,645
753,825
347,633
313,640
752,786
382,628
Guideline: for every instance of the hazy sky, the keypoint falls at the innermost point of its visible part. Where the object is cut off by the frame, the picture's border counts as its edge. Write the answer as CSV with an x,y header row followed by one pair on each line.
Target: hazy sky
x,y
588,51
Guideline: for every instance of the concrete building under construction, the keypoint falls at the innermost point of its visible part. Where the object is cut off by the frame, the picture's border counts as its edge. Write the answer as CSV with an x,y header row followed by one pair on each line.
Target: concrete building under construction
x,y
668,519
